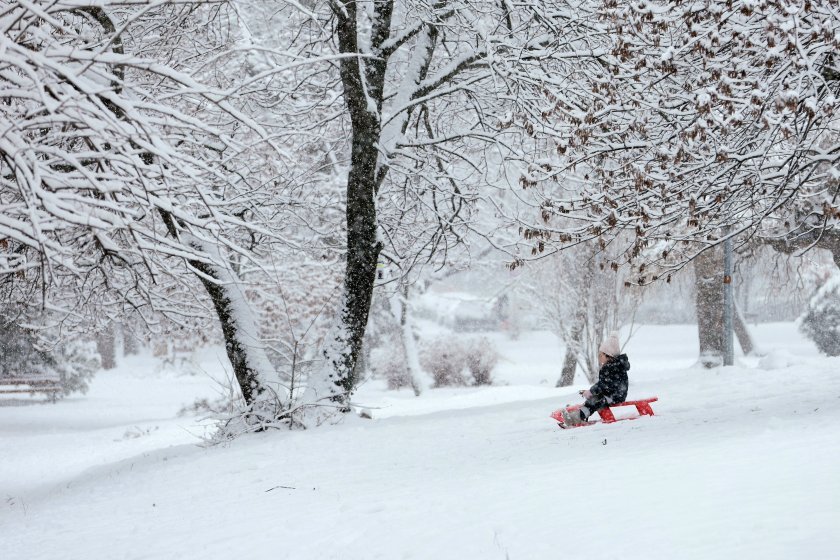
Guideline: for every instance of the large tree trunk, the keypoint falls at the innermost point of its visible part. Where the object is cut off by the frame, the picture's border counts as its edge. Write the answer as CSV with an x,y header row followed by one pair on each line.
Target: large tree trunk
x,y
708,284
709,287
246,367
261,387
363,82
362,255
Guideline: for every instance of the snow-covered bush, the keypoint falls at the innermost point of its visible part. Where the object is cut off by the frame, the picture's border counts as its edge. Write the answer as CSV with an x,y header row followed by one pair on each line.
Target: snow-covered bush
x,y
76,363
454,362
481,359
445,358
388,361
219,407
821,323
23,355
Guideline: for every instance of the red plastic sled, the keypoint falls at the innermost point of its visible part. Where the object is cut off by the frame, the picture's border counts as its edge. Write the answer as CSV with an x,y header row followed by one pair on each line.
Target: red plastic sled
x,y
607,417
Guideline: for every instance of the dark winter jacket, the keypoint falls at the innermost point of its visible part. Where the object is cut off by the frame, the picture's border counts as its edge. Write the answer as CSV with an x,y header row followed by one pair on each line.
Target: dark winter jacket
x,y
612,380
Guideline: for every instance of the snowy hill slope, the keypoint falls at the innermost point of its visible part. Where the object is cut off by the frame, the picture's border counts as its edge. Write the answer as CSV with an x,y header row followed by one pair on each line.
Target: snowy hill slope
x,y
739,461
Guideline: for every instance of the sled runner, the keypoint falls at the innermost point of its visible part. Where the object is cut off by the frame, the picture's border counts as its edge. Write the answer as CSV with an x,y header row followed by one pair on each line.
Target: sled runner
x,y
607,417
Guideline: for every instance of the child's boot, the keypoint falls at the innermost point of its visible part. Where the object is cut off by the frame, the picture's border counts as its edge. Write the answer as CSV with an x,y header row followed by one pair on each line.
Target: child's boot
x,y
571,418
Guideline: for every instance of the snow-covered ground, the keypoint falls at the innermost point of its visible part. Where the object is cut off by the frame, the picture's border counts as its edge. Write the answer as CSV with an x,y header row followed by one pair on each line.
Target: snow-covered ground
x,y
739,462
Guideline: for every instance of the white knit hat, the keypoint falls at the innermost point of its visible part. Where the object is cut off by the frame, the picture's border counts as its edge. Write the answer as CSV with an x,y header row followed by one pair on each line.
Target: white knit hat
x,y
611,346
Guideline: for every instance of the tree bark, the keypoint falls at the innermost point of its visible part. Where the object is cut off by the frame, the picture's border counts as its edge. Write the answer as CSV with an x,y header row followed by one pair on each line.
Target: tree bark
x,y
412,359
827,239
107,348
131,346
708,284
570,361
250,364
247,358
363,83
576,339
742,332
246,374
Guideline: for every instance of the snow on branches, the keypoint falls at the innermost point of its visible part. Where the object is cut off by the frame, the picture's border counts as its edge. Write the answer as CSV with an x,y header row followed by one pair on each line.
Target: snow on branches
x,y
695,116
98,140
131,170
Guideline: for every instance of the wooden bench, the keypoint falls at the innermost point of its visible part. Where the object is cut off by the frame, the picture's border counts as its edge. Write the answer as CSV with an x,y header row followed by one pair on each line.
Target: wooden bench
x,y
51,386
607,417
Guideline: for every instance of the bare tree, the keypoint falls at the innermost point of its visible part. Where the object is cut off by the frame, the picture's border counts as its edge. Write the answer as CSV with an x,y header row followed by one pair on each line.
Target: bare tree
x,y
117,182
151,164
582,301
431,90
401,308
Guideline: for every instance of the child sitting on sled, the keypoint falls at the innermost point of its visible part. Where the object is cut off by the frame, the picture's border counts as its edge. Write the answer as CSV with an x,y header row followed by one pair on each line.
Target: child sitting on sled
x,y
611,387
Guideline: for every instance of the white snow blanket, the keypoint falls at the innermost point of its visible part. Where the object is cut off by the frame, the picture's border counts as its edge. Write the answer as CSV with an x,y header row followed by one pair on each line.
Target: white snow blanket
x,y
740,462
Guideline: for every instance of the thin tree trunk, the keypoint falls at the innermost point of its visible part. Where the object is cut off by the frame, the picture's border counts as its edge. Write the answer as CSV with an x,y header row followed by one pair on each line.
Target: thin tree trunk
x,y
107,348
245,372
576,342
592,328
131,346
412,358
742,332
570,361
